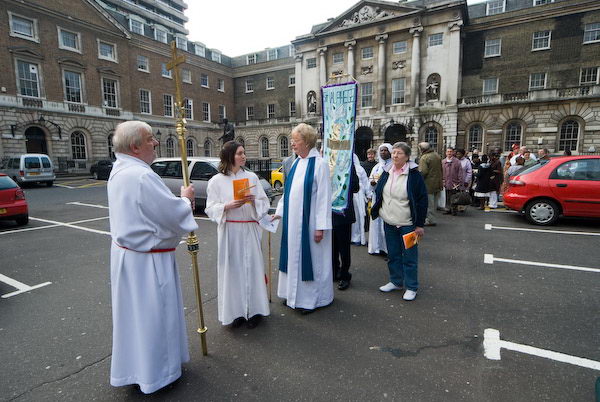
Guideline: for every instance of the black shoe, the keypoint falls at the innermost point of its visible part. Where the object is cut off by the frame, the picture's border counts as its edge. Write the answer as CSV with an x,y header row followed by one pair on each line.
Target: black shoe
x,y
238,322
305,311
254,321
344,284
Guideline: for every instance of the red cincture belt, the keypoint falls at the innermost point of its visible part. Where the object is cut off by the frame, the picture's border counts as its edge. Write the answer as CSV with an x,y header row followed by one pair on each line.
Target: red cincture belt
x,y
154,250
240,221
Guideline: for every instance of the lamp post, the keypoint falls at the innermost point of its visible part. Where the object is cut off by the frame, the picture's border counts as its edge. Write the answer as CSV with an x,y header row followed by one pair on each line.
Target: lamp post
x,y
43,121
158,134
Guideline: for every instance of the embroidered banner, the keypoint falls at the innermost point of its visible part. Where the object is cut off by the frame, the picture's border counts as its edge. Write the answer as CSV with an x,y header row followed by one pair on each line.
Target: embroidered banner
x,y
339,114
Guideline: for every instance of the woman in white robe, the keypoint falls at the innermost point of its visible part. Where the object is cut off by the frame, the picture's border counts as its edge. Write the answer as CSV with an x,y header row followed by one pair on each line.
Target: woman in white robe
x,y
376,234
306,286
360,200
242,291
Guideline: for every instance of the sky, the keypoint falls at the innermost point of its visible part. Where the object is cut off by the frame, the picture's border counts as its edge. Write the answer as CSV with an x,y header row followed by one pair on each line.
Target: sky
x,y
237,27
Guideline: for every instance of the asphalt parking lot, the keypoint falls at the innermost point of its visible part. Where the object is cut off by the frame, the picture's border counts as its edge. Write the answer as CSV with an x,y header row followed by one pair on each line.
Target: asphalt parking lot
x,y
506,312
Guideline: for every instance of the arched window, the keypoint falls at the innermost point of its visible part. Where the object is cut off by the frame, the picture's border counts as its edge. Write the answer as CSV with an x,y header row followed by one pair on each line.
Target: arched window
x,y
284,146
569,136
208,147
431,136
475,140
189,147
170,145
78,145
514,133
240,140
111,152
264,147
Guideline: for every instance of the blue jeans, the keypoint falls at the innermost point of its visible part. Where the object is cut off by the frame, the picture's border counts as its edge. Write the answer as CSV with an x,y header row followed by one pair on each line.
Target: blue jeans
x,y
403,264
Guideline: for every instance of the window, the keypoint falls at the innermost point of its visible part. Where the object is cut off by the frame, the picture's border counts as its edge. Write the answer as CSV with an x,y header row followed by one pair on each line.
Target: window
x,y
182,43
264,147
541,2
272,54
338,58
207,147
251,59
145,102
493,47
270,83
215,56
160,35
72,81
188,107
271,111
68,40
143,64
495,7
292,109
186,75
189,147
170,145
109,93
398,90
136,26
476,137
205,111
589,75
107,51
435,39
490,86
591,33
204,80
221,85
199,50
29,79
22,27
249,86
250,113
541,40
284,146
580,169
78,145
366,94
168,105
367,53
537,81
513,135
311,63
164,71
222,112
431,136
292,80
569,135
111,152
399,47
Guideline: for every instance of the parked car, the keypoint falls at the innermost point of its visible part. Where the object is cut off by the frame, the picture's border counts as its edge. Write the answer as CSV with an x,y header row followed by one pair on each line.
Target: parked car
x,y
200,169
31,168
101,169
566,185
277,178
13,205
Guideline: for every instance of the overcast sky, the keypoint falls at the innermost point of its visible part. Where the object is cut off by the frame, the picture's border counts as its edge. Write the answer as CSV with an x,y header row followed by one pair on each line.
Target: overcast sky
x,y
237,27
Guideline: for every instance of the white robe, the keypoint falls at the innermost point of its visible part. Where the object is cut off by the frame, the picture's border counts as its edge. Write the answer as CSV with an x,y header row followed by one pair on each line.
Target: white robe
x,y
242,291
360,199
149,332
376,233
319,292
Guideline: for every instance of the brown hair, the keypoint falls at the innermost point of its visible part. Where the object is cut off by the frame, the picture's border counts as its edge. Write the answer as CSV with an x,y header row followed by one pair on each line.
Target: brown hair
x,y
228,156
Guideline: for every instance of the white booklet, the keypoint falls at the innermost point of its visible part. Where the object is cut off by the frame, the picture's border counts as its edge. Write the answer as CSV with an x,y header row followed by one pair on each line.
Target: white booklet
x,y
267,224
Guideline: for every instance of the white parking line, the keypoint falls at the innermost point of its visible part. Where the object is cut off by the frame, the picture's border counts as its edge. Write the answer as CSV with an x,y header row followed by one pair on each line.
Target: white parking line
x,y
490,227
490,259
86,205
51,226
19,285
71,226
492,345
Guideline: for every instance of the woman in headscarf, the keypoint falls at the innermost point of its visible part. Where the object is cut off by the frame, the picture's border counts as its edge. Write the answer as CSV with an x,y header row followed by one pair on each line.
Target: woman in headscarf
x,y
376,234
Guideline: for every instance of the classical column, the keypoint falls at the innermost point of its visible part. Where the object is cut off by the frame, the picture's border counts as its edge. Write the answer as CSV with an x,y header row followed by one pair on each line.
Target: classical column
x,y
300,112
322,65
381,80
415,67
350,45
454,76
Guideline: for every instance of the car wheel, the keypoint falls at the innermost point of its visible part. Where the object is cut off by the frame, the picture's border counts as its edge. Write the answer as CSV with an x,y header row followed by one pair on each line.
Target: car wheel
x,y
49,183
277,185
22,220
542,212
95,175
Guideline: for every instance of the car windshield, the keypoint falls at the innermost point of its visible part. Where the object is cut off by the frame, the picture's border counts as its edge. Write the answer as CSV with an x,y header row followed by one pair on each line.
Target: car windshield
x,y
6,183
530,169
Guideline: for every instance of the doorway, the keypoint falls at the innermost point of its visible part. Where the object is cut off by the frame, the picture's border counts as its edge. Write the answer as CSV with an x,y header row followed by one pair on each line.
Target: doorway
x,y
363,139
35,140
395,133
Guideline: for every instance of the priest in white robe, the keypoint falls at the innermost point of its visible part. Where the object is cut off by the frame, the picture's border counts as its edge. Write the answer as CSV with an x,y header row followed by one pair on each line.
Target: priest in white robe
x,y
376,235
305,277
360,201
242,290
146,224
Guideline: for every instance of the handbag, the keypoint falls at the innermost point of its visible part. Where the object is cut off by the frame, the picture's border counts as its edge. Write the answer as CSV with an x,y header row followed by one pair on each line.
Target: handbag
x,y
461,198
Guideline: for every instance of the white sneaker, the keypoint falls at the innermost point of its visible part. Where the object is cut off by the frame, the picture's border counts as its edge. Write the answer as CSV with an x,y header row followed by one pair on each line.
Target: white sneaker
x,y
388,287
409,295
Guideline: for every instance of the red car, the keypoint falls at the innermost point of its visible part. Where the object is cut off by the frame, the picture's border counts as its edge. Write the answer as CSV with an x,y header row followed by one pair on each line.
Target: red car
x,y
565,185
13,205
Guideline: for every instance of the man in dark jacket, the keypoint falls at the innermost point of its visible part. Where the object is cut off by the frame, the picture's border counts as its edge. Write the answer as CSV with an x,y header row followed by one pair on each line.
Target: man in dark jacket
x,y
342,233
371,161
430,166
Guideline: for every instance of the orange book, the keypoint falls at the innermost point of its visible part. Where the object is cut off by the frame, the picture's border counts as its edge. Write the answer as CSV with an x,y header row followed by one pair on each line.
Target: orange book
x,y
241,189
410,239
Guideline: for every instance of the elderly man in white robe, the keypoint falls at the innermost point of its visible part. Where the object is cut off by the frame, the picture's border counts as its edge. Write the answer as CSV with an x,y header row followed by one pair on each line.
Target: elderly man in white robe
x,y
305,264
376,234
360,201
146,224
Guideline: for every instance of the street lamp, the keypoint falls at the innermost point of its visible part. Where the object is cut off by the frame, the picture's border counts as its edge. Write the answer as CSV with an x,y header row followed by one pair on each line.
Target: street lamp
x,y
43,122
158,134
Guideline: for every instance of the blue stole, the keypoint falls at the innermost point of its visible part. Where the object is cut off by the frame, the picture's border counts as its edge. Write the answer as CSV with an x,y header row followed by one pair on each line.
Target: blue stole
x,y
307,272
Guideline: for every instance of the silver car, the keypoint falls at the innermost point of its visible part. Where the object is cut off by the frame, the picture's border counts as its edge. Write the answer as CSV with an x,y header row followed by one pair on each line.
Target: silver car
x,y
31,168
201,169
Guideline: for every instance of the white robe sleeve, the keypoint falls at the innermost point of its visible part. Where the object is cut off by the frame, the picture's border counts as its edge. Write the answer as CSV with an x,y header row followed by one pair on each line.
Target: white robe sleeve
x,y
215,205
279,210
363,180
261,202
323,201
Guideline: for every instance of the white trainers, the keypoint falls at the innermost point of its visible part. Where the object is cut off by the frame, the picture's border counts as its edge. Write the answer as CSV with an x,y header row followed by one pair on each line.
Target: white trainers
x,y
388,287
409,295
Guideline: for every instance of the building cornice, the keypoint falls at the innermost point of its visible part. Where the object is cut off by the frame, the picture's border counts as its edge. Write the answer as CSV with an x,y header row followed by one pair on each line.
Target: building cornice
x,y
246,73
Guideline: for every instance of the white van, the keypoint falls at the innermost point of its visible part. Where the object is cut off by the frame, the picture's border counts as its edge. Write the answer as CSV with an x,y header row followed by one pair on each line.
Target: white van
x,y
31,168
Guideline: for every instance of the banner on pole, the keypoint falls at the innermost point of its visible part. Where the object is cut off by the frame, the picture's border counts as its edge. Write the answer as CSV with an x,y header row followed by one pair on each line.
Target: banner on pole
x,y
339,115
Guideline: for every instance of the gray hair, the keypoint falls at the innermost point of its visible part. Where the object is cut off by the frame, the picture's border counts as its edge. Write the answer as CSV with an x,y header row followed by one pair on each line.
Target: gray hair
x,y
129,133
308,134
404,147
425,146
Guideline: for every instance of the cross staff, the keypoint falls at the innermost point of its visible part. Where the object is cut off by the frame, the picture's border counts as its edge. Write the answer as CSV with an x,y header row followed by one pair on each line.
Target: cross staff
x,y
192,240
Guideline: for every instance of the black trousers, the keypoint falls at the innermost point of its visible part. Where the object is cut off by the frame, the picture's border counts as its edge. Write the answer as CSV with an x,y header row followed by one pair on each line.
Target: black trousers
x,y
341,251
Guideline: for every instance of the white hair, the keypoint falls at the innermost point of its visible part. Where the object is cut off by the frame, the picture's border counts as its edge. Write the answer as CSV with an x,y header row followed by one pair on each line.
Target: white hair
x,y
129,133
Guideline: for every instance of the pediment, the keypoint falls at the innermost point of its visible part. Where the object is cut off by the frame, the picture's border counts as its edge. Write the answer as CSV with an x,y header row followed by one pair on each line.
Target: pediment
x,y
71,62
25,52
107,70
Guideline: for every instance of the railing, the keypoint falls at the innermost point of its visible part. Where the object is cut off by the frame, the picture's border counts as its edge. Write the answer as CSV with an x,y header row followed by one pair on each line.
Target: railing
x,y
256,122
112,112
531,96
29,102
73,107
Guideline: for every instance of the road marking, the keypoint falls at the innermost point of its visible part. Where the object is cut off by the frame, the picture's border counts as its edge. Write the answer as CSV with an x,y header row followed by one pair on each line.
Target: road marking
x,y
492,345
51,226
98,184
86,205
490,259
490,227
64,186
503,210
19,285
71,226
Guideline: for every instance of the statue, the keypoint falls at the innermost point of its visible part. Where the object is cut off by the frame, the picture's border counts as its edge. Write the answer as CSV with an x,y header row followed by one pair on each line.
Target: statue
x,y
432,87
228,131
311,100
